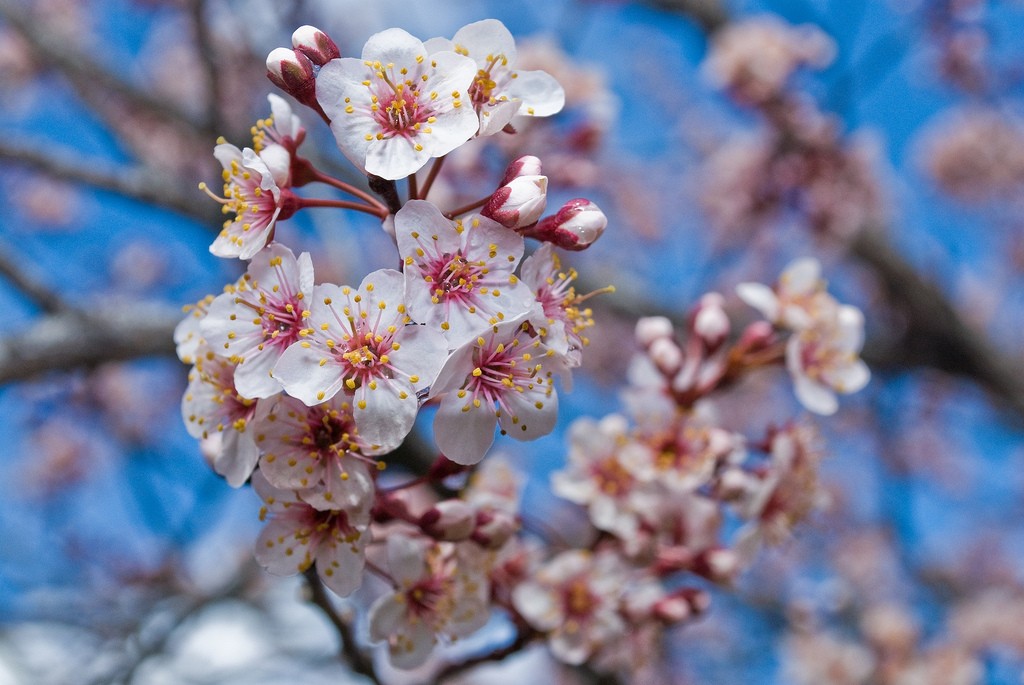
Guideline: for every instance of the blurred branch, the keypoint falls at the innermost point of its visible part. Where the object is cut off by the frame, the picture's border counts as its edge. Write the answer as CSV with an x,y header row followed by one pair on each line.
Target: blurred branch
x,y
57,53
44,298
359,661
139,184
72,339
710,15
208,58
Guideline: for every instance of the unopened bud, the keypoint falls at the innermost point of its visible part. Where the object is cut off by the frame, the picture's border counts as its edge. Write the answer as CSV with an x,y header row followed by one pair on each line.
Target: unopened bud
x,y
292,72
574,227
756,336
315,44
710,321
450,520
527,165
494,527
518,203
651,328
666,355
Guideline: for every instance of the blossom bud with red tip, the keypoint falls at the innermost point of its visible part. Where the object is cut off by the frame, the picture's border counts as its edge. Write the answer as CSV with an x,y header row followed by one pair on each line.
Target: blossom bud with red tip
x,y
522,196
449,520
651,328
315,44
494,527
709,320
293,73
574,227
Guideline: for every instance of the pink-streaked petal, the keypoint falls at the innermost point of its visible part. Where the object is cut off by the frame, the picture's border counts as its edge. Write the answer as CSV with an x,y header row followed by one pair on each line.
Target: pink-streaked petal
x,y
463,435
304,377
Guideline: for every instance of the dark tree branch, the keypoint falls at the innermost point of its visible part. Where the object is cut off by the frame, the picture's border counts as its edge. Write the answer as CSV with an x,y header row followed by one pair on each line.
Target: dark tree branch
x,y
56,53
38,293
139,184
208,57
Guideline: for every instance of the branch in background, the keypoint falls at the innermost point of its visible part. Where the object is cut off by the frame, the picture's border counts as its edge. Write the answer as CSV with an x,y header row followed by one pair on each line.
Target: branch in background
x,y
74,339
360,662
208,58
44,298
55,52
139,184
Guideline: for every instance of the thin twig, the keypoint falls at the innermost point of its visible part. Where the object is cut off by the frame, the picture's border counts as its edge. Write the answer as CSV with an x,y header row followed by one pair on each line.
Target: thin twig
x,y
205,48
358,659
452,669
40,295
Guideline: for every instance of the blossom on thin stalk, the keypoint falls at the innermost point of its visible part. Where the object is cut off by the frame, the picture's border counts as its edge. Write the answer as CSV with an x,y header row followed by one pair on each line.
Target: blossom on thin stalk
x,y
566,318
256,190
505,376
211,406
439,593
360,342
298,535
282,127
397,106
499,92
459,275
254,322
824,360
574,598
317,450
797,300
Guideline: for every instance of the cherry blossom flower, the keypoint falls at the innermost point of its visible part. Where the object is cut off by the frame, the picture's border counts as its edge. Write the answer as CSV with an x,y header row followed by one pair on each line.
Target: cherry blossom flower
x,y
459,274
574,598
439,593
395,108
499,92
567,319
256,190
282,127
254,322
298,536
360,342
685,454
317,450
600,478
188,340
797,301
211,405
504,376
823,360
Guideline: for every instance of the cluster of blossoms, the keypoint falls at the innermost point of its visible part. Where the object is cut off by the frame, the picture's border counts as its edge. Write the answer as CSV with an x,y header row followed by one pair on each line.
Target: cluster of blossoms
x,y
308,390
800,161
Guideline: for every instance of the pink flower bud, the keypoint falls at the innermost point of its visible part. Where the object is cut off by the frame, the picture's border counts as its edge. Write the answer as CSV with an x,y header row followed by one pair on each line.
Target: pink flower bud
x,y
315,44
450,520
519,202
527,165
710,321
666,355
292,72
651,328
756,336
494,527
574,227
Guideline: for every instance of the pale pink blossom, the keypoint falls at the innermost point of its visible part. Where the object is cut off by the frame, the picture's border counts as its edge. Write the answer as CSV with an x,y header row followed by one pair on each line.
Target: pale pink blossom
x,y
567,318
823,360
799,299
504,376
318,451
439,592
499,91
255,321
211,405
360,342
282,127
574,598
297,536
754,58
397,106
459,275
256,191
599,474
188,340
